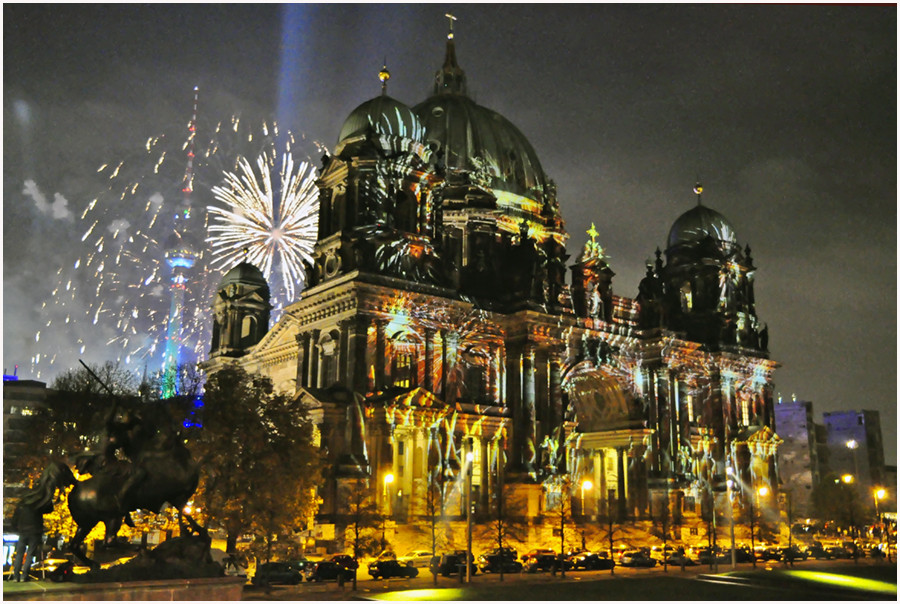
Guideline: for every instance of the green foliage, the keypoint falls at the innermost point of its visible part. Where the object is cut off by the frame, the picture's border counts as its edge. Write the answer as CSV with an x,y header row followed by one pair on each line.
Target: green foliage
x,y
363,518
258,461
71,419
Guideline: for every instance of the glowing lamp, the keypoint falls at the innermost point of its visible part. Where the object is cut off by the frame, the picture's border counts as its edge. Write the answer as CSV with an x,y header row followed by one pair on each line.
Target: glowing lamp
x,y
763,491
847,478
587,485
852,444
880,494
388,478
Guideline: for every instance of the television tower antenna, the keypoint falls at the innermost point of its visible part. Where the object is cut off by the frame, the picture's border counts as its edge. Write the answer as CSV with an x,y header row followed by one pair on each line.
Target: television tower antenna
x,y
188,182
181,257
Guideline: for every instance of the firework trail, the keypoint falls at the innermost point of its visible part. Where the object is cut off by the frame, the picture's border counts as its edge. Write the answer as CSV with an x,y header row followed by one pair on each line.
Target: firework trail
x,y
270,223
112,301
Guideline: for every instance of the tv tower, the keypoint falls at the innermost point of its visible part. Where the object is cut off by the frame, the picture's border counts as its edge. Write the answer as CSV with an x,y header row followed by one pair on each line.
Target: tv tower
x,y
181,257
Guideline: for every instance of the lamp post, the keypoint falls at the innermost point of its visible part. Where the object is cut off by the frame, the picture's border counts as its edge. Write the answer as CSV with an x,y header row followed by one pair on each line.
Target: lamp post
x,y
470,457
879,493
388,479
760,492
728,484
586,485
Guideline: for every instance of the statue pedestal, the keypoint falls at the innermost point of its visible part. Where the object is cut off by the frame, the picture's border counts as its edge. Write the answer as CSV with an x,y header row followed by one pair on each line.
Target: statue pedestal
x,y
217,589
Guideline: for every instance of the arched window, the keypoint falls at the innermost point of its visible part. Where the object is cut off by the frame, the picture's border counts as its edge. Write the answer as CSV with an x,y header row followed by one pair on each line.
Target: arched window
x,y
328,359
248,331
404,361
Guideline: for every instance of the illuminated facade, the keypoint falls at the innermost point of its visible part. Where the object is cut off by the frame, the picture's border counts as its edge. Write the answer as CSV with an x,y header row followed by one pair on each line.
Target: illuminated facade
x,y
439,316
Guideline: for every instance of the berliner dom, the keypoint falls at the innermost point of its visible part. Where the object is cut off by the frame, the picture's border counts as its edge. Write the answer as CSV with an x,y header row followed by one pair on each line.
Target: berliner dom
x,y
444,323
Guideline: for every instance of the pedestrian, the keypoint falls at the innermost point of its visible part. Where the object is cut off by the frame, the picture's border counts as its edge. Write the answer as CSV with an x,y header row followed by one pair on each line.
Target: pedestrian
x,y
28,524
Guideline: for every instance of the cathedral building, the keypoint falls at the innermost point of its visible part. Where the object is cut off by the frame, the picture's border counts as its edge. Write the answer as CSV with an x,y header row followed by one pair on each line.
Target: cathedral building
x,y
443,325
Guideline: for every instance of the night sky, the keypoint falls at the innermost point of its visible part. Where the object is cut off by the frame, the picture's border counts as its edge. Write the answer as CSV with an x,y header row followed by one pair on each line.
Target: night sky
x,y
787,114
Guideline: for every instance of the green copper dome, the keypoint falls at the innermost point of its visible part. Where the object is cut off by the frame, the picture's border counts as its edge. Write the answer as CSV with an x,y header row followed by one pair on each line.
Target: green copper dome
x,y
697,224
475,138
382,116
245,274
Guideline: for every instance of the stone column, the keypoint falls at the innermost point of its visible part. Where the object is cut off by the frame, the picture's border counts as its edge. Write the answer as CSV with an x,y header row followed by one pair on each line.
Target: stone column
x,y
302,359
557,415
429,359
451,340
444,358
528,408
621,495
495,395
345,369
380,353
313,364
513,401
357,366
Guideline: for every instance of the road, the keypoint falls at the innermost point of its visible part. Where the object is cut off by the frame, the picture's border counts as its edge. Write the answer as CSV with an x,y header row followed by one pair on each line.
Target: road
x,y
809,580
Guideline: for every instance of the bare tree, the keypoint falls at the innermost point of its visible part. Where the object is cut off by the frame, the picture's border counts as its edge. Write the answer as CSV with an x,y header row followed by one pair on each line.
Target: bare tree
x,y
362,519
559,514
662,521
505,526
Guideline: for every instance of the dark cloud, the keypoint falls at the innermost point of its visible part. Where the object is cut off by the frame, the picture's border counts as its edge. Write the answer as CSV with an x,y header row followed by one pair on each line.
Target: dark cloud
x,y
787,114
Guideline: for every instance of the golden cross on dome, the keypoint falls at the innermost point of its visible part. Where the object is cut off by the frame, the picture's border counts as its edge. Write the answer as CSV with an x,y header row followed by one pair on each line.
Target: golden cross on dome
x,y
452,19
593,233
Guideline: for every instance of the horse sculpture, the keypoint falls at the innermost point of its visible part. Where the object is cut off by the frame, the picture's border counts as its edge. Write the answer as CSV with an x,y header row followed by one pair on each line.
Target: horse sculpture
x,y
157,469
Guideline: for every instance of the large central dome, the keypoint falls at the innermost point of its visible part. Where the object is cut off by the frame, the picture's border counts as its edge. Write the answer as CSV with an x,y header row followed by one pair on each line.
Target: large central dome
x,y
476,139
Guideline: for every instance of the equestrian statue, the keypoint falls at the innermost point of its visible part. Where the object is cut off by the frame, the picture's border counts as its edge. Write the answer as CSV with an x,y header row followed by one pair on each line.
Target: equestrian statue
x,y
142,464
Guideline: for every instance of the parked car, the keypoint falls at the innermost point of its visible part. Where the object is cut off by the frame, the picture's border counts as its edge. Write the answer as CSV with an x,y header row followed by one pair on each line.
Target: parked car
x,y
794,554
497,559
589,561
346,561
769,553
704,556
271,573
539,559
385,569
741,554
838,552
451,563
329,570
676,558
638,558
418,558
818,551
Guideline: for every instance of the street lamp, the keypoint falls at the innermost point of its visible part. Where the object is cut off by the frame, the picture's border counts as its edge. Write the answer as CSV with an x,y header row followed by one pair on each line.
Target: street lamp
x,y
879,493
586,485
847,478
388,480
760,492
853,446
470,458
728,484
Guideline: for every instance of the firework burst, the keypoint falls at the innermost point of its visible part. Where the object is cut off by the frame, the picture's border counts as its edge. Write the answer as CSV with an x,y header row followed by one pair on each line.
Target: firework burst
x,y
269,223
112,300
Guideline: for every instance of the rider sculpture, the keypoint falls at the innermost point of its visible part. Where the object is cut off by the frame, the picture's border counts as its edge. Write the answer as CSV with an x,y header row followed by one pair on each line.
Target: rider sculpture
x,y
142,464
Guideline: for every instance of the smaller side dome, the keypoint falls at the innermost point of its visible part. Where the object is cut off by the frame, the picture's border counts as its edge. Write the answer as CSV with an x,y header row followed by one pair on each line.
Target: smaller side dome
x,y
245,274
697,224
382,116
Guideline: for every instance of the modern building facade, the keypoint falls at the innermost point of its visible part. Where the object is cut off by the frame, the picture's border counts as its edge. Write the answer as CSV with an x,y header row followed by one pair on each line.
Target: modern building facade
x,y
443,329
855,447
798,459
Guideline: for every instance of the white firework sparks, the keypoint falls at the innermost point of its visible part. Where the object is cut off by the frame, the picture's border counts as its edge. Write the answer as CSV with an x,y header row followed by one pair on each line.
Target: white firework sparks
x,y
277,238
111,299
